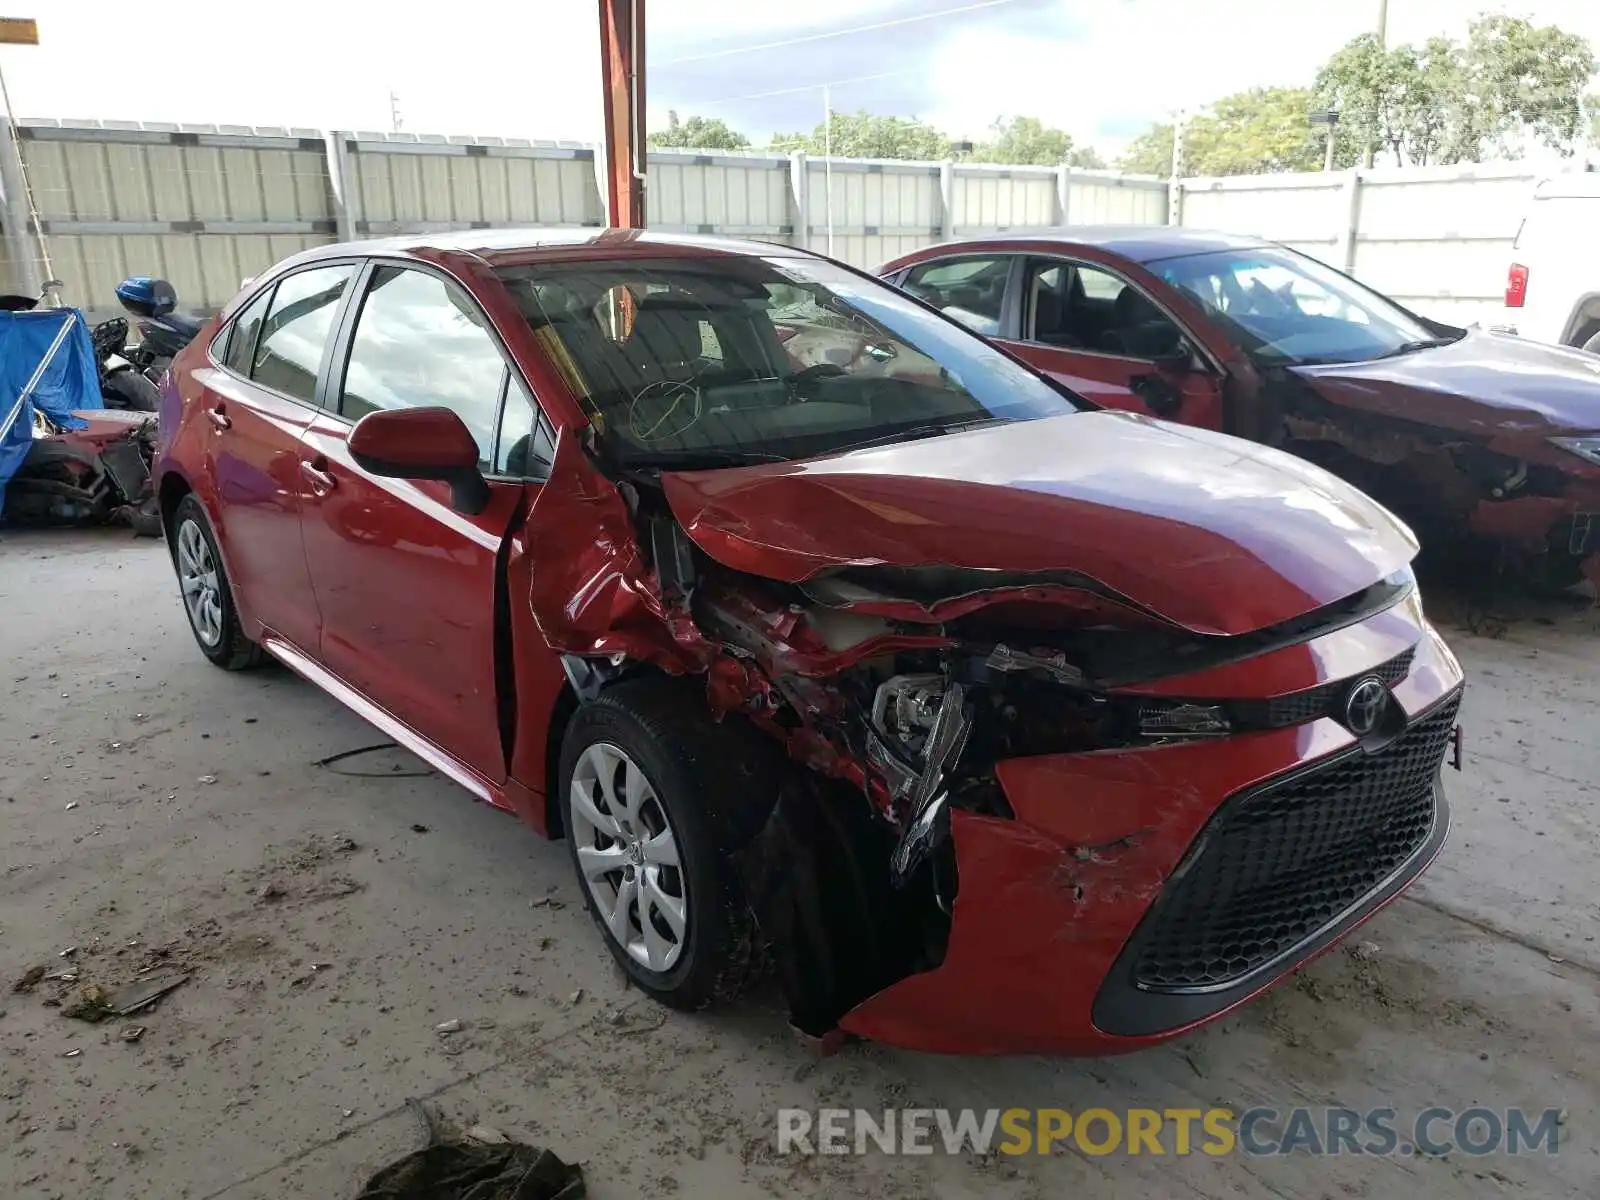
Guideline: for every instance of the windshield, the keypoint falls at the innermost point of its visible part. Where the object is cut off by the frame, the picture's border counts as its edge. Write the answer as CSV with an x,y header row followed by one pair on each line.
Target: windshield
x,y
732,358
1286,308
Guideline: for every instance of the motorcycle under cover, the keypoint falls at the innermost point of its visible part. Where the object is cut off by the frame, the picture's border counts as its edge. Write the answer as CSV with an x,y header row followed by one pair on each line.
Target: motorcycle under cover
x,y
46,362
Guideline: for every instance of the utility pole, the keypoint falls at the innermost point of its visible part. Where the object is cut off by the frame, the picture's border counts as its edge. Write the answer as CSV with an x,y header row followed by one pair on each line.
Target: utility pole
x,y
1383,44
396,121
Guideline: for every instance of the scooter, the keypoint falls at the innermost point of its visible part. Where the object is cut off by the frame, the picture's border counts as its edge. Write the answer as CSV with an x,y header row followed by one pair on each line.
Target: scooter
x,y
163,331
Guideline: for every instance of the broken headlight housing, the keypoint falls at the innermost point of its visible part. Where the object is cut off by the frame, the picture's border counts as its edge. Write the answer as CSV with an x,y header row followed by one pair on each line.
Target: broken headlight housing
x,y
1586,448
1183,719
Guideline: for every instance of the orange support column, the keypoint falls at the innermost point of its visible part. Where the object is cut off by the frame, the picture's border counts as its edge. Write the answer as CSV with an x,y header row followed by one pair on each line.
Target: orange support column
x,y
622,77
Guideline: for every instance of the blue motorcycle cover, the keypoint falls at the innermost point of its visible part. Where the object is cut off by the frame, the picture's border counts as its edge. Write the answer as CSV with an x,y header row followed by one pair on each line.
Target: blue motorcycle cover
x,y
47,363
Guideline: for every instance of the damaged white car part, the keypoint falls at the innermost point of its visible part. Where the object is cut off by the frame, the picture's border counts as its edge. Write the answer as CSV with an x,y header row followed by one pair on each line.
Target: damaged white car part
x,y
920,725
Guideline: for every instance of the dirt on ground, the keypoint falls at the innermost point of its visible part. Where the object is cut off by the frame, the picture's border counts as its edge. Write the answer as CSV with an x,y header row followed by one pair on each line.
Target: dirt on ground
x,y
351,936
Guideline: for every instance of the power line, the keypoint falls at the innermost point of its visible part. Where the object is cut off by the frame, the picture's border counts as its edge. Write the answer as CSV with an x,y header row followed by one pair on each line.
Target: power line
x,y
818,37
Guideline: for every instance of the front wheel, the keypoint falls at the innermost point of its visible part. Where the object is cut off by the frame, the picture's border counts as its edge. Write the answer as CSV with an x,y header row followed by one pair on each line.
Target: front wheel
x,y
658,797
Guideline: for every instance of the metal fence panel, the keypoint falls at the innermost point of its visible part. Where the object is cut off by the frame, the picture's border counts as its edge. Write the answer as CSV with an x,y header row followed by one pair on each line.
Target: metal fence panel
x,y
207,205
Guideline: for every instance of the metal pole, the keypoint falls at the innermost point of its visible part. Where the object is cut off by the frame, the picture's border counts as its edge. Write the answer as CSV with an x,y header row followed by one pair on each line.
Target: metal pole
x,y
1383,44
1327,158
827,158
32,209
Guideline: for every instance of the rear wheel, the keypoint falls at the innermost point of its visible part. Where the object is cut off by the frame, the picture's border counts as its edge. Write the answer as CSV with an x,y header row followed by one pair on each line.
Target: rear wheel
x,y
658,798
207,598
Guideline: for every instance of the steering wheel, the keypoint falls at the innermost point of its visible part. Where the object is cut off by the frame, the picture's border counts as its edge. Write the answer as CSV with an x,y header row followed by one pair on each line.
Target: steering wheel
x,y
800,383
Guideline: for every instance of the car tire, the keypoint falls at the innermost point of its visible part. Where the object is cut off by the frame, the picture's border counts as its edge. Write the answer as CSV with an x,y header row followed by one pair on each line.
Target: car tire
x,y
206,593
131,391
699,791
1593,344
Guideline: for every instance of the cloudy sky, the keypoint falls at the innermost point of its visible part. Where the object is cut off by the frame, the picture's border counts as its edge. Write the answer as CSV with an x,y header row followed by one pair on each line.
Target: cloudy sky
x,y
1102,69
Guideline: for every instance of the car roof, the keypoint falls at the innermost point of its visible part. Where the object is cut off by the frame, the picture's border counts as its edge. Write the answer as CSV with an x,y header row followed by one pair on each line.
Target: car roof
x,y
1140,243
501,246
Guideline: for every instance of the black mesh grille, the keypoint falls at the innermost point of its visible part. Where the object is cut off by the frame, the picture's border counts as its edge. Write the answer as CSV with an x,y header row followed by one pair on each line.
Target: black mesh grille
x,y
1322,701
1278,864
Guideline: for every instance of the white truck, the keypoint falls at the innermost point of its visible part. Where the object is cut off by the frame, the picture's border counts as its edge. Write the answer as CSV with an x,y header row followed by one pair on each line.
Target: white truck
x,y
1553,284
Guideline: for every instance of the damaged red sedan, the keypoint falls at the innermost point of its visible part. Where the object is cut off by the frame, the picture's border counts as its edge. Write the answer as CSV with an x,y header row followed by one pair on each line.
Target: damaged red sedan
x,y
832,639
1471,436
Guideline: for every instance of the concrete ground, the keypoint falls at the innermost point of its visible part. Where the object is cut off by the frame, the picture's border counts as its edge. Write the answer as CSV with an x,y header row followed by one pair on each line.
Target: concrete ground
x,y
157,811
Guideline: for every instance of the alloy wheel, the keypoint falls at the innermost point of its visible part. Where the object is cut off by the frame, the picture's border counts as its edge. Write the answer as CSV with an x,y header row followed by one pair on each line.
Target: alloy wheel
x,y
197,576
628,856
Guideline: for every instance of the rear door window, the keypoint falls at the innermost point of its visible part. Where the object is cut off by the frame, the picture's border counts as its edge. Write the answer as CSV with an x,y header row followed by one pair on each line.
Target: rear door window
x,y
242,334
294,337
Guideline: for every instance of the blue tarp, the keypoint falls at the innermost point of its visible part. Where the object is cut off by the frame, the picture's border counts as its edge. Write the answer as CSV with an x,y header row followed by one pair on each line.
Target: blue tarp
x,y
46,362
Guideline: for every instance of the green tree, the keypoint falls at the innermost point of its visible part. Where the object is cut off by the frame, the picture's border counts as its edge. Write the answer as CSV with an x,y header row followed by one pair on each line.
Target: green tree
x,y
862,135
697,133
1248,133
1253,133
1530,76
1030,140
1150,153
1446,102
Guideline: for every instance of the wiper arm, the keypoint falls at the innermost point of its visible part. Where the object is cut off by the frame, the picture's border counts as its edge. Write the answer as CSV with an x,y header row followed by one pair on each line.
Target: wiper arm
x,y
912,433
1419,344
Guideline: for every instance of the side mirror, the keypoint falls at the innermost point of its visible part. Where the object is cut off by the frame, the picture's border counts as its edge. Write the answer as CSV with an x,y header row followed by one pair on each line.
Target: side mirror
x,y
1178,361
422,443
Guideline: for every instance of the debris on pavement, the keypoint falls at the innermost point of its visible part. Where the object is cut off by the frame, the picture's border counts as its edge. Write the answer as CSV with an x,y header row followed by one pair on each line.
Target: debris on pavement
x,y
419,829
29,980
444,1028
94,1003
451,1168
132,1033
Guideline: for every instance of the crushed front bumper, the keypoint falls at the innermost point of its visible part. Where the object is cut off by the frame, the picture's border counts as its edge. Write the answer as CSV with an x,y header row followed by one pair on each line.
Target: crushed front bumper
x,y
1072,922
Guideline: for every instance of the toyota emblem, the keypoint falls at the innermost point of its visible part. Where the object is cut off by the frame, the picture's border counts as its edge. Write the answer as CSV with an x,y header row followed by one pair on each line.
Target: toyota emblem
x,y
1364,706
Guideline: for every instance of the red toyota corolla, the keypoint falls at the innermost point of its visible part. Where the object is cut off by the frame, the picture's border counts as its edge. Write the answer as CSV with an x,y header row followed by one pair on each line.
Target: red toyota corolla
x,y
831,637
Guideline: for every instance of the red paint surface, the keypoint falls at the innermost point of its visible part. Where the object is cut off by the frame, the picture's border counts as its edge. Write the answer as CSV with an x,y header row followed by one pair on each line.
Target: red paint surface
x,y
1210,533
414,437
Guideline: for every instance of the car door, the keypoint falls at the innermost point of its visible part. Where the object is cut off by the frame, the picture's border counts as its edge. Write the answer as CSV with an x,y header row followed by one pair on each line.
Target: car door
x,y
406,585
258,398
1106,339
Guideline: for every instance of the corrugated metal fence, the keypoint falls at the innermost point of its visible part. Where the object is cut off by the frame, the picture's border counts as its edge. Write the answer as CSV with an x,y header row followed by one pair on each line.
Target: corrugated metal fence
x,y
206,206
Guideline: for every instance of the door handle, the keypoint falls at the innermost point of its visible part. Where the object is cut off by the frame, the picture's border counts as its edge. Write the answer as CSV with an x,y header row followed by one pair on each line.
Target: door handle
x,y
322,481
218,417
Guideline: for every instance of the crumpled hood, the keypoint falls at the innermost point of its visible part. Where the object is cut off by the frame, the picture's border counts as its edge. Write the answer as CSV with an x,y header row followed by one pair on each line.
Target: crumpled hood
x,y
1213,533
1490,384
